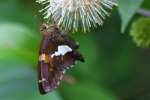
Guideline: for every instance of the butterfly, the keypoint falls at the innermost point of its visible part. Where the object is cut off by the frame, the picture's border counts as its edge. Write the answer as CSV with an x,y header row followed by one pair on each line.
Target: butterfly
x,y
58,52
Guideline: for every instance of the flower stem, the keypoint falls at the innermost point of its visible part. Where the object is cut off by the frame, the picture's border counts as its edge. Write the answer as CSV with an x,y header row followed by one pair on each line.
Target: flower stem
x,y
143,12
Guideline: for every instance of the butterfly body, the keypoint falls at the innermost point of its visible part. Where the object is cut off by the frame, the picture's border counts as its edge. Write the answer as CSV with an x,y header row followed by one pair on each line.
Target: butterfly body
x,y
57,53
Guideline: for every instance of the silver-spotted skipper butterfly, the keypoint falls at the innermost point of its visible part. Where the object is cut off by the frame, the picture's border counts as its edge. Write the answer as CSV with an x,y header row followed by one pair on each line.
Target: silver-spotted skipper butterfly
x,y
57,53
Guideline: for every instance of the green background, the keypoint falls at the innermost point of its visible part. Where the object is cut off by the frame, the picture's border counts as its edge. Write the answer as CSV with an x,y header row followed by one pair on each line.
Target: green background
x,y
116,68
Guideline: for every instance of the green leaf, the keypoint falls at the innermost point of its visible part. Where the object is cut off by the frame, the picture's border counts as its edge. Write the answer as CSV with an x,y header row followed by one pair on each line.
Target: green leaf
x,y
18,43
127,9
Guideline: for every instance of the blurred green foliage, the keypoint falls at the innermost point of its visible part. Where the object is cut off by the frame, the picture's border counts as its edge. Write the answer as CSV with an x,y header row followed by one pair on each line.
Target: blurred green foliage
x,y
115,68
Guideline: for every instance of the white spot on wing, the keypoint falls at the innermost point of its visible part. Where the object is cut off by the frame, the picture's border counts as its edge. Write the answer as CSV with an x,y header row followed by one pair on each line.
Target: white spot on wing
x,y
62,50
61,77
43,79
64,71
58,82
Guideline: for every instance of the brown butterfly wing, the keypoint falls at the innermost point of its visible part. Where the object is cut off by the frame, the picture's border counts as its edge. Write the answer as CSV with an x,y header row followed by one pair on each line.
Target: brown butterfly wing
x,y
49,79
49,74
51,71
43,77
69,59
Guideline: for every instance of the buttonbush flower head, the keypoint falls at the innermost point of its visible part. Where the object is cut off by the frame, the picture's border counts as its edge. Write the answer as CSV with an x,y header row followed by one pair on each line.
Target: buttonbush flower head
x,y
77,14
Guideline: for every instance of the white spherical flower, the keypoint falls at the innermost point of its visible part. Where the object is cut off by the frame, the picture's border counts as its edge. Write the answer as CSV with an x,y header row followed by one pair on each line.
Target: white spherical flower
x,y
77,14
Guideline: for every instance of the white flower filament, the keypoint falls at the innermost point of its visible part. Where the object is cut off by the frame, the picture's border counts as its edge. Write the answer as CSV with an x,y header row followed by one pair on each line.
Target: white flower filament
x,y
77,14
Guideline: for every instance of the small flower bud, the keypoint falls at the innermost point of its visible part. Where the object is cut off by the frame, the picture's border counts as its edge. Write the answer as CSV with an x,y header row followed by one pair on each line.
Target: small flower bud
x,y
140,32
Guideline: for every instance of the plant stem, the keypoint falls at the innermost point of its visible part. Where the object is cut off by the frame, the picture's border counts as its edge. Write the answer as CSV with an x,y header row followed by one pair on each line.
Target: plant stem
x,y
143,12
